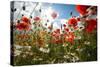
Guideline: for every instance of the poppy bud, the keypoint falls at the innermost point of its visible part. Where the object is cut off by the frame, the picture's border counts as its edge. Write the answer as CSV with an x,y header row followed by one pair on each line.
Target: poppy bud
x,y
18,21
15,9
30,16
37,19
64,25
23,7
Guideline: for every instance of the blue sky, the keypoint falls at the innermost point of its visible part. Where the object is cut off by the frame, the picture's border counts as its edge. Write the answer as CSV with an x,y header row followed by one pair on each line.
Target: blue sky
x,y
64,10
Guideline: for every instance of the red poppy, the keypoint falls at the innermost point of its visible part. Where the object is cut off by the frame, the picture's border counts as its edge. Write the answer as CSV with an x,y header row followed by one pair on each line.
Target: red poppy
x,y
91,25
72,22
54,15
66,29
82,9
37,19
70,37
23,26
56,38
64,25
25,19
56,34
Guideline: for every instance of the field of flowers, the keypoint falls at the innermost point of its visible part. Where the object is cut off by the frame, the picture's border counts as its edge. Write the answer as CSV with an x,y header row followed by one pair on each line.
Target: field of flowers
x,y
37,41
